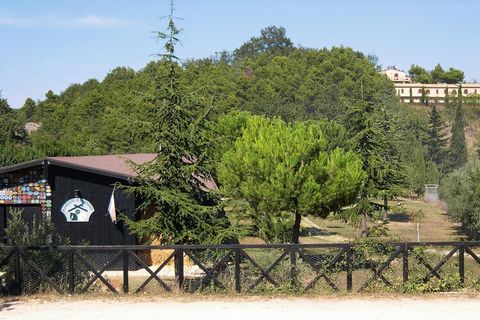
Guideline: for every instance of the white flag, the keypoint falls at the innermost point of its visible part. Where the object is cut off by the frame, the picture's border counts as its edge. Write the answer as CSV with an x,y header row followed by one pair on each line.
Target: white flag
x,y
111,208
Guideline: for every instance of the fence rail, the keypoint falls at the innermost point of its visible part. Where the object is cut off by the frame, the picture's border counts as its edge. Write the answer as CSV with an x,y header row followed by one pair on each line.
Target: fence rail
x,y
350,267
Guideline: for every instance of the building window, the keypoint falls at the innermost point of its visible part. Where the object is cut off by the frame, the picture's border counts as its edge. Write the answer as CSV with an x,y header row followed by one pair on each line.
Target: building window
x,y
402,90
396,75
437,90
419,90
428,91
465,91
475,91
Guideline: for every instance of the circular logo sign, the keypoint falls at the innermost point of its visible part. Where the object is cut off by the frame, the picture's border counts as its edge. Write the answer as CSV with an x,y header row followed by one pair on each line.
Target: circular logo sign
x,y
77,210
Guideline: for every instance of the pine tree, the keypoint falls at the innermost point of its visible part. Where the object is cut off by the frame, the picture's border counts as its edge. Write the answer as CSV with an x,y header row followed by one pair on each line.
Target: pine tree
x,y
458,146
177,205
392,177
378,155
437,138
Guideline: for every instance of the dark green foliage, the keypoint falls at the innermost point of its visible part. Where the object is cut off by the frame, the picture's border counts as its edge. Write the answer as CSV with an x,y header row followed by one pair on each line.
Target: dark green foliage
x,y
12,135
437,138
372,139
112,116
177,204
43,233
458,148
272,41
453,76
460,189
419,74
17,233
437,75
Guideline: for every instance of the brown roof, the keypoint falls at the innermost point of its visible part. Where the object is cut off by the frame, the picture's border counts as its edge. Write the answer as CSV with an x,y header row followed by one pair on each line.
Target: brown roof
x,y
115,163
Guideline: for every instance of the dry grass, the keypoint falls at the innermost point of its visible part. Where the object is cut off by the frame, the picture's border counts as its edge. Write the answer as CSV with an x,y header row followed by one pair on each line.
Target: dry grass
x,y
434,227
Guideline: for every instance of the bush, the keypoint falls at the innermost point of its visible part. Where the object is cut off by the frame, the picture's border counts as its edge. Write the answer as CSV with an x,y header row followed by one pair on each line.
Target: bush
x,y
461,191
50,261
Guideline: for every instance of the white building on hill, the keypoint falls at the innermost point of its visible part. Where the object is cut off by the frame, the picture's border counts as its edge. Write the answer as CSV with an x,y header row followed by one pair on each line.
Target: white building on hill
x,y
411,92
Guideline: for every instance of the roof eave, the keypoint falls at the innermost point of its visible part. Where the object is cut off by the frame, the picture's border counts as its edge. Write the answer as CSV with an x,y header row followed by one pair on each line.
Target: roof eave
x,y
55,162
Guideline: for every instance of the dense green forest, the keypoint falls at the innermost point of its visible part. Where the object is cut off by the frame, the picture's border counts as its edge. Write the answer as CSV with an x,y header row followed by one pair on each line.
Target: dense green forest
x,y
401,147
267,76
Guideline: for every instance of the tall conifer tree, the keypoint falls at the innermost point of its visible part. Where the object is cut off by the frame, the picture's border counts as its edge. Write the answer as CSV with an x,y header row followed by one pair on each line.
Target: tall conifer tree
x,y
437,138
458,146
174,186
371,139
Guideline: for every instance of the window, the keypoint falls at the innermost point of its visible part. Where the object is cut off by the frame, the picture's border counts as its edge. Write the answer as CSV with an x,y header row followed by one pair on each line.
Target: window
x,y
465,91
419,90
396,75
402,90
428,91
437,90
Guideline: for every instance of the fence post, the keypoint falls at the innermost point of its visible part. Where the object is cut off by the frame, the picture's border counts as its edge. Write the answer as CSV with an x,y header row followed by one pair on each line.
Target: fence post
x,y
349,269
238,285
405,263
71,272
179,272
293,264
461,263
18,273
125,271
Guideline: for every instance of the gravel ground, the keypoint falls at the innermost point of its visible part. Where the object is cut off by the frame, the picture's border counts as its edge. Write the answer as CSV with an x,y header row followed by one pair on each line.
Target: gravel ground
x,y
248,308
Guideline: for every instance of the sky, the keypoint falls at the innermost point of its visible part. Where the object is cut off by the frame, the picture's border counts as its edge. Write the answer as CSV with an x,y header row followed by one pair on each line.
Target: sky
x,y
50,44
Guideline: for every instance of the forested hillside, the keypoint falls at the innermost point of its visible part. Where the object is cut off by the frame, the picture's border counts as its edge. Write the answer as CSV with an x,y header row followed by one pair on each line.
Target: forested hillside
x,y
266,75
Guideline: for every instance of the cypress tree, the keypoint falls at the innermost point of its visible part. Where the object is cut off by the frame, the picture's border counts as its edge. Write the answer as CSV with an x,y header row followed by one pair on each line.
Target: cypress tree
x,y
411,96
437,138
176,204
458,146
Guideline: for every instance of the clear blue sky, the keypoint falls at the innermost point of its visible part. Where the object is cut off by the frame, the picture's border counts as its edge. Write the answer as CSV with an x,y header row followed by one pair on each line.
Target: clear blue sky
x,y
50,44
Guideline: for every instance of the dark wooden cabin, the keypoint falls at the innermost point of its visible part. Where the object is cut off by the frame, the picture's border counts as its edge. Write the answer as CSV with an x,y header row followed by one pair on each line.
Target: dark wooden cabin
x,y
42,187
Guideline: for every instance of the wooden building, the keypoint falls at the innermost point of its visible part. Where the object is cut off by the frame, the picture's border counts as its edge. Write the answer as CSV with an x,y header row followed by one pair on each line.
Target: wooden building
x,y
74,193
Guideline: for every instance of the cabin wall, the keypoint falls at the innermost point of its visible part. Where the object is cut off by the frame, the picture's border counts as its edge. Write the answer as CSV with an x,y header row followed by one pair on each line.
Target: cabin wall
x,y
97,189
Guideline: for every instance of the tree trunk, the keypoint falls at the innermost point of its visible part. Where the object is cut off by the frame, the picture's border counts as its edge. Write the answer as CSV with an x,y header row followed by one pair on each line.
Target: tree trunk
x,y
296,228
385,208
364,223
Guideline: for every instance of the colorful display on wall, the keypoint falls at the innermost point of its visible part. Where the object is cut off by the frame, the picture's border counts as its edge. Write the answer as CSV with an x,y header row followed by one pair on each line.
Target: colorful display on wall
x,y
26,187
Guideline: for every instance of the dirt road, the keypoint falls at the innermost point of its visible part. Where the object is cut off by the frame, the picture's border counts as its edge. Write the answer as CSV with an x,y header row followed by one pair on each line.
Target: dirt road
x,y
248,308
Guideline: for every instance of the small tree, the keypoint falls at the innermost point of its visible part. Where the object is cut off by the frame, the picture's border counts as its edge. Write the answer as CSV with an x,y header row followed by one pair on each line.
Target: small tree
x,y
278,167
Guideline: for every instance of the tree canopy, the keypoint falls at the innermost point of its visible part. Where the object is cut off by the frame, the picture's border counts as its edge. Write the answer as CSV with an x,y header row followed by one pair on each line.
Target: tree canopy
x,y
437,75
278,167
